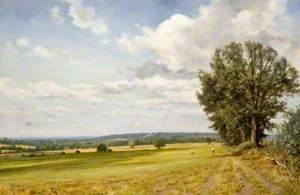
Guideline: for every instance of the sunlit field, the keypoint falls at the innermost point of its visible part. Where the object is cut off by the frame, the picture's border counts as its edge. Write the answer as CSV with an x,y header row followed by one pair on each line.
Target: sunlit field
x,y
176,169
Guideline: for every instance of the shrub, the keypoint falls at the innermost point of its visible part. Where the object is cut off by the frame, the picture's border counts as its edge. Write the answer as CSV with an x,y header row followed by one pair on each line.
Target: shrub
x,y
290,133
32,155
102,148
77,151
159,142
63,153
240,149
131,143
109,150
285,146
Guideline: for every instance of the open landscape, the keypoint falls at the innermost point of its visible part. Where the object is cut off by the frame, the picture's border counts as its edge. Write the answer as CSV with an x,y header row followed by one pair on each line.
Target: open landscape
x,y
149,97
176,169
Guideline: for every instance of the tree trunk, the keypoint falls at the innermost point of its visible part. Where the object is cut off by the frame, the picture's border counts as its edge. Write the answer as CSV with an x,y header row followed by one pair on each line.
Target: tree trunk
x,y
254,132
243,135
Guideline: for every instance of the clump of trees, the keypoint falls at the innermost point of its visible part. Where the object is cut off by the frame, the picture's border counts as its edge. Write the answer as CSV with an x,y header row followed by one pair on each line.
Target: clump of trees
x,y
245,89
159,142
103,148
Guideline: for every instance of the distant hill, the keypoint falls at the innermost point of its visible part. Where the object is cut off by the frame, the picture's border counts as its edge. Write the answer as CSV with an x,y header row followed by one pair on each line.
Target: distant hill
x,y
166,135
112,140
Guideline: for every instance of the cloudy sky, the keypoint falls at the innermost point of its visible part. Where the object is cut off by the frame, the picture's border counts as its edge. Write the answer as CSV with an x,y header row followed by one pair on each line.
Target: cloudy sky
x,y
97,67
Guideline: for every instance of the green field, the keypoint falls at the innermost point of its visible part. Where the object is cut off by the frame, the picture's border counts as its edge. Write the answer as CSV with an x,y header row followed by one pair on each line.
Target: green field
x,y
190,169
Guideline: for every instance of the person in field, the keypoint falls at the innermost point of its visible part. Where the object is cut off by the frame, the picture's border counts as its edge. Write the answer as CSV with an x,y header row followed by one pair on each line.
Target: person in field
x,y
212,148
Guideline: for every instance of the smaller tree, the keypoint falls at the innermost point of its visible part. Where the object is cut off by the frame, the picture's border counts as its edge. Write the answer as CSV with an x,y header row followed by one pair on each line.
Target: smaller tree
x,y
102,148
290,133
131,143
159,142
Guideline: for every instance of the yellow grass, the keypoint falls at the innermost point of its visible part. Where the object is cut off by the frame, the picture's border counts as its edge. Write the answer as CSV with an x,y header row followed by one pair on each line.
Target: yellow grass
x,y
176,169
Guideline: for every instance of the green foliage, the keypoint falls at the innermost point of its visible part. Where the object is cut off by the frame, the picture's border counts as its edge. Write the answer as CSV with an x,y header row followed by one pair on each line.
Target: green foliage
x,y
240,149
159,142
245,90
51,144
131,143
102,148
290,133
285,146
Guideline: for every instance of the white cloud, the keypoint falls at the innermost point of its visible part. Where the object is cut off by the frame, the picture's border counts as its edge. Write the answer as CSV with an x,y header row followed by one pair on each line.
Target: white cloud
x,y
50,89
155,90
185,42
42,52
22,42
4,82
56,16
85,17
60,109
7,88
18,93
154,83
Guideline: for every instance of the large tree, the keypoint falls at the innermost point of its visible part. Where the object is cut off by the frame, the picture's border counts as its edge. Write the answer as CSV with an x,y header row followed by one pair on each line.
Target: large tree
x,y
245,89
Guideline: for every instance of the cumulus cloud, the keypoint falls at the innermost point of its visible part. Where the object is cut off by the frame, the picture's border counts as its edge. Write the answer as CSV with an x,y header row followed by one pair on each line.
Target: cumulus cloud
x,y
22,42
60,109
50,89
42,52
85,17
153,83
150,69
18,93
155,90
47,90
4,82
187,42
56,16
7,89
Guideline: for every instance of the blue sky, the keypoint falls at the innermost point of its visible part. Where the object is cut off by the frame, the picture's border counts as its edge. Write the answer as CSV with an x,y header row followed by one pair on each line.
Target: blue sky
x,y
97,67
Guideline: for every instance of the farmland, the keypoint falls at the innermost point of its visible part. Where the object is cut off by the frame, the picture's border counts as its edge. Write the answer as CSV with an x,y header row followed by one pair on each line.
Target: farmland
x,y
176,169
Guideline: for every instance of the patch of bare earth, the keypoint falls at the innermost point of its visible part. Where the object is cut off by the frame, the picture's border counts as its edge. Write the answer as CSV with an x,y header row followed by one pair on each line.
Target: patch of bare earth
x,y
209,184
259,177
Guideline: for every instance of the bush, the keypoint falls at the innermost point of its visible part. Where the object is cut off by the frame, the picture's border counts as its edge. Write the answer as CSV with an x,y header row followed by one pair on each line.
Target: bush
x,y
131,143
77,152
290,133
240,149
109,150
285,146
159,143
102,148
32,155
63,153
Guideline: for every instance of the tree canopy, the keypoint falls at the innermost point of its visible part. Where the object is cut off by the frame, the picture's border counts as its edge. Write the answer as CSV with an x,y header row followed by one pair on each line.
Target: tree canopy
x,y
102,148
159,142
245,89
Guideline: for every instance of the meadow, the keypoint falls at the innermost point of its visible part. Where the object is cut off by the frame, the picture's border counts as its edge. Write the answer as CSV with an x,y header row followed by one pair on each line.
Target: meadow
x,y
176,169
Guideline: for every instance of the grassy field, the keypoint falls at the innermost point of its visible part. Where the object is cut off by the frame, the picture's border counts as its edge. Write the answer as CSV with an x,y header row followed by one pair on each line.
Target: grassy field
x,y
3,145
177,169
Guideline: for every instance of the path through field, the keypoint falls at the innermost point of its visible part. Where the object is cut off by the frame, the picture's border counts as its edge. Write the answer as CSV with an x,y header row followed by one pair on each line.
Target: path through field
x,y
191,169
234,177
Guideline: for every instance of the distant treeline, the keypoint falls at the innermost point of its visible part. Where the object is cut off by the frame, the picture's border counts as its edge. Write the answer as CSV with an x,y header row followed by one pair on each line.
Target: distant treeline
x,y
44,144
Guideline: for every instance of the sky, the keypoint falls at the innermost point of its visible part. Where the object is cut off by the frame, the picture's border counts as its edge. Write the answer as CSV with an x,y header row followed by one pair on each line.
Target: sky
x,y
99,67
